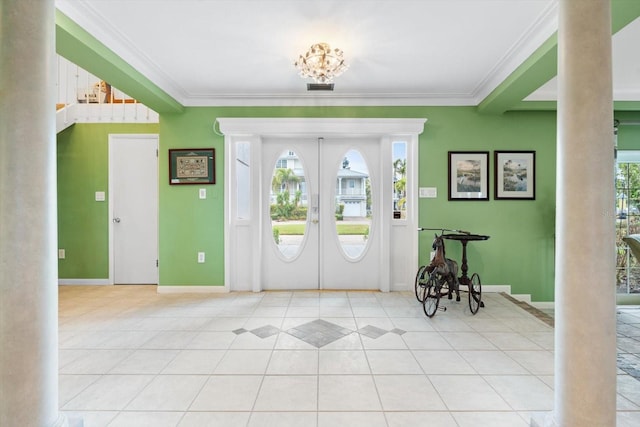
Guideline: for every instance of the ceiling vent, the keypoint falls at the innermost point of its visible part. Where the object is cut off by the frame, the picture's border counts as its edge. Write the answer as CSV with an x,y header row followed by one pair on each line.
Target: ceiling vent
x,y
320,86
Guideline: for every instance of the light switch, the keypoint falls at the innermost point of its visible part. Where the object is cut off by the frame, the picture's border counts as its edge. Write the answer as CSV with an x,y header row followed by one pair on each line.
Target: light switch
x,y
99,196
203,193
428,192
200,257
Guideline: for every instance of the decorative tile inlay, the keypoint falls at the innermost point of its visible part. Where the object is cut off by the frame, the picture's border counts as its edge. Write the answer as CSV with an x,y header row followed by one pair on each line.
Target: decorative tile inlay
x,y
319,332
265,331
372,331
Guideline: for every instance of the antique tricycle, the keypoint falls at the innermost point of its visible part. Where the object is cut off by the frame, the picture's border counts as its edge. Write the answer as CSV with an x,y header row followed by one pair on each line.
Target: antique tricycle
x,y
440,277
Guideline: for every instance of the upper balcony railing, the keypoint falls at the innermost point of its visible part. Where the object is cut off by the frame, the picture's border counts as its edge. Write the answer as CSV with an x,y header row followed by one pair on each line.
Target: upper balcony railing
x,y
84,98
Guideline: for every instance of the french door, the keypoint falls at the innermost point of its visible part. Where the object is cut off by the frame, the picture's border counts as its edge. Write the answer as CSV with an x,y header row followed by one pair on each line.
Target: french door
x,y
321,213
313,203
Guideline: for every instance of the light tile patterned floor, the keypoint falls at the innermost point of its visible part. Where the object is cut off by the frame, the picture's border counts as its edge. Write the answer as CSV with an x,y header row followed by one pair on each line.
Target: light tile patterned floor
x,y
132,357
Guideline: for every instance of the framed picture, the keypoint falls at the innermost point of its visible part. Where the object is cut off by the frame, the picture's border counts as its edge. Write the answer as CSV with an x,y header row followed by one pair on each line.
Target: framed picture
x,y
192,166
468,175
515,175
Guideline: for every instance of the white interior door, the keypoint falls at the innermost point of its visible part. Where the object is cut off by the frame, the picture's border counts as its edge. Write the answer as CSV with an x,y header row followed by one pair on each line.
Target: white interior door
x,y
337,243
133,195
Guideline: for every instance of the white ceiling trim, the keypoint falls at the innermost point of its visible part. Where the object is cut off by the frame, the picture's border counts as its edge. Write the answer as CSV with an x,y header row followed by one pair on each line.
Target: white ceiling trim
x,y
86,15
544,27
83,14
421,84
327,100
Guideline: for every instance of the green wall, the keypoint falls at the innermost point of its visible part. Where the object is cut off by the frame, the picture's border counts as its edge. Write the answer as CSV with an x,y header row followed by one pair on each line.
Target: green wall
x,y
519,253
520,250
189,225
83,223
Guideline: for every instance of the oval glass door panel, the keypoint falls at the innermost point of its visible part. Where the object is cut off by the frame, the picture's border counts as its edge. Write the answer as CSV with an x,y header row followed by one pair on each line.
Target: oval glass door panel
x,y
353,204
288,204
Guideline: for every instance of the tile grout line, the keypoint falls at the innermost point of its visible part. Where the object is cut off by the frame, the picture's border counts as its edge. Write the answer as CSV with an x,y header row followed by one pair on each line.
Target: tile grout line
x,y
373,378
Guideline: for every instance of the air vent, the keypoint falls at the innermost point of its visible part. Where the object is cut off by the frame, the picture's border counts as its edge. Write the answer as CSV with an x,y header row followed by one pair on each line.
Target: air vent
x,y
319,86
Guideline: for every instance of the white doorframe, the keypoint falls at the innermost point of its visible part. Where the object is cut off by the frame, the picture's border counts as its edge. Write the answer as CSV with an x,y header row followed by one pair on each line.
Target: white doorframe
x,y
112,172
242,226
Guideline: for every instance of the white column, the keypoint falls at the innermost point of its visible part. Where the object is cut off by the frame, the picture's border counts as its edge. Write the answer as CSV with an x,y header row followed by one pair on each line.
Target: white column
x,y
585,331
28,217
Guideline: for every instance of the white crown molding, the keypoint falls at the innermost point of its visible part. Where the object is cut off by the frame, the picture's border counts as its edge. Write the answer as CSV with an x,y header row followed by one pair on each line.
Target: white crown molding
x,y
327,100
626,95
83,14
549,92
544,27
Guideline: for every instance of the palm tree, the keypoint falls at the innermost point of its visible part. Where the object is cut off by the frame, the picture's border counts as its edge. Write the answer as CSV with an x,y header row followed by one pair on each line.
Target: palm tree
x,y
400,186
400,179
283,176
400,168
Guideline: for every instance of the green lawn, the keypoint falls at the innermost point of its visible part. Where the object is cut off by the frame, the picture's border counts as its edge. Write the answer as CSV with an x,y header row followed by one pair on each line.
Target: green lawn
x,y
343,229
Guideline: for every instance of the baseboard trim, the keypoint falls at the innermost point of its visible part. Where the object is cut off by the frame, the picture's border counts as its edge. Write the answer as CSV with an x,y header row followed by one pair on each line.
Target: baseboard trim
x,y
526,298
543,305
496,288
192,289
76,282
522,297
540,305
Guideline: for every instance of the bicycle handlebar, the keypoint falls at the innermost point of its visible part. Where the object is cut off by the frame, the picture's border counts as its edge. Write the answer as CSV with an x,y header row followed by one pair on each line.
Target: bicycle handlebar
x,y
442,230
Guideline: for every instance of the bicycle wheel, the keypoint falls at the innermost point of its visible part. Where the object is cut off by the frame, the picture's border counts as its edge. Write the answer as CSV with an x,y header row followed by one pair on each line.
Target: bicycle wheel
x,y
421,281
475,293
432,296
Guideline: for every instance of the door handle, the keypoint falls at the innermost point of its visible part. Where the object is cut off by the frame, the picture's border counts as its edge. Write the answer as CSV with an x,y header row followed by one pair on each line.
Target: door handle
x,y
116,220
315,221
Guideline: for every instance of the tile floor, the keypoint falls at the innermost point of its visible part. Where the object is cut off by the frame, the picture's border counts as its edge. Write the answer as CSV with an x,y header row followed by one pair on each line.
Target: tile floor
x,y
132,357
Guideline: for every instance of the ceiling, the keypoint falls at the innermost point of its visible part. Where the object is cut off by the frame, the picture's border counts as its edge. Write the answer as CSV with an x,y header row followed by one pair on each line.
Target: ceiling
x,y
400,52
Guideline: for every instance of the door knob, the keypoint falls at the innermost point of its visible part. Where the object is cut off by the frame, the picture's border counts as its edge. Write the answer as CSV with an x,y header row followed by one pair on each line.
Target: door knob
x,y
116,220
315,221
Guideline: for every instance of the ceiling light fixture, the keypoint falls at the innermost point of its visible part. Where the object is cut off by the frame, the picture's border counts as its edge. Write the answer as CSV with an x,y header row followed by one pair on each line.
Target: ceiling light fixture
x,y
322,64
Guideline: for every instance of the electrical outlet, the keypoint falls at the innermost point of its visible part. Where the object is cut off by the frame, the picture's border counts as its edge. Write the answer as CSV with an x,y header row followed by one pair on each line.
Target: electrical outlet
x,y
200,257
61,254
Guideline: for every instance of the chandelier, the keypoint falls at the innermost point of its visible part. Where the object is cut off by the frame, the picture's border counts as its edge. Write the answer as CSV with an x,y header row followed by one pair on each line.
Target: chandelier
x,y
321,63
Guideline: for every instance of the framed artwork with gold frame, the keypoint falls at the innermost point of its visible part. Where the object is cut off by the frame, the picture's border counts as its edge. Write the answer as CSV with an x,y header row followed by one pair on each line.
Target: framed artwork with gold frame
x,y
192,166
